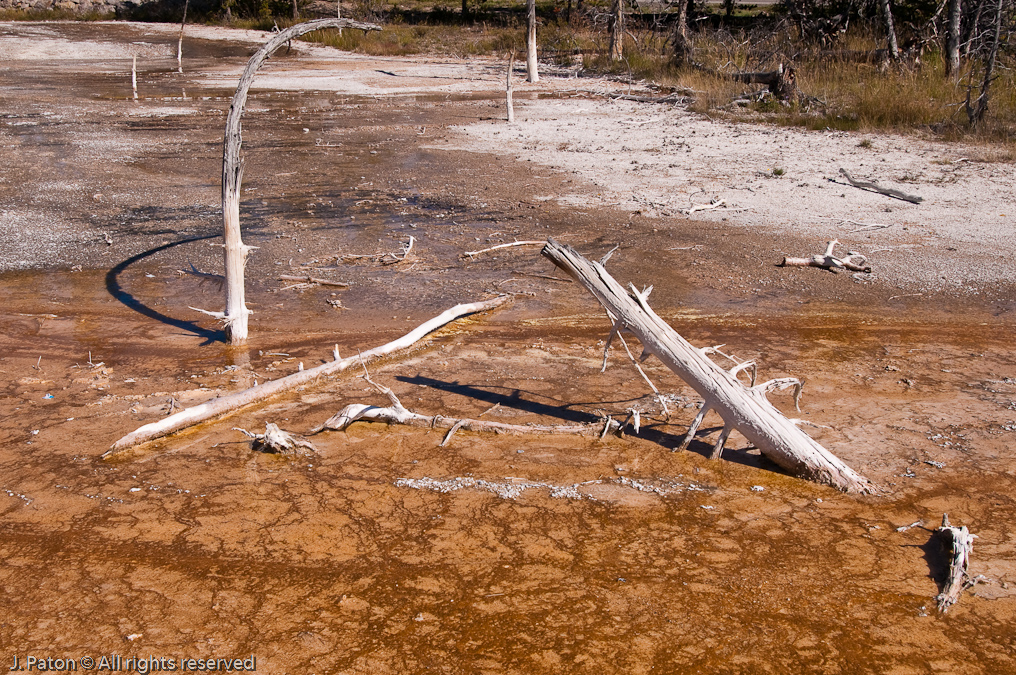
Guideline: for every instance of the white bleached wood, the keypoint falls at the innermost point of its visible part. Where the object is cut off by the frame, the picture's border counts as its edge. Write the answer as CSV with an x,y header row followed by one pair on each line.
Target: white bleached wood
x,y
960,545
399,414
751,414
232,174
228,404
875,187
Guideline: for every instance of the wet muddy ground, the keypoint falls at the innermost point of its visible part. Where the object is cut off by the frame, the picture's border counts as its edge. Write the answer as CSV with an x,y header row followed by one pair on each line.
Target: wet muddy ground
x,y
384,552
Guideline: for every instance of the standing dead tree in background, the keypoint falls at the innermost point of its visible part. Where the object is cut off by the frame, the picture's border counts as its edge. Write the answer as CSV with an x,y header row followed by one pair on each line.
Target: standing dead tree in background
x,y
508,88
976,111
235,316
532,71
952,42
742,408
617,30
887,16
179,43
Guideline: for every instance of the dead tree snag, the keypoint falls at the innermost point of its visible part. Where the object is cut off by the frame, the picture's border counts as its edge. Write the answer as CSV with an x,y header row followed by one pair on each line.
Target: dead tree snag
x,y
235,316
532,70
745,409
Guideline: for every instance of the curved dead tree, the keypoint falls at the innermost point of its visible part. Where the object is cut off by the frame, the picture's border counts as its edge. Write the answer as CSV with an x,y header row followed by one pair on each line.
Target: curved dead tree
x,y
745,409
235,316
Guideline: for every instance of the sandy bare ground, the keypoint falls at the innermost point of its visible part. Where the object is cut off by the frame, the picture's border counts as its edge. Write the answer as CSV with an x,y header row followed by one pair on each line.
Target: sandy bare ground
x,y
385,553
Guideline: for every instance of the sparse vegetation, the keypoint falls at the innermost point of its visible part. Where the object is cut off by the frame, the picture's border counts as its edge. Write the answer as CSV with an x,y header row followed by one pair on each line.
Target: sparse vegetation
x,y
849,82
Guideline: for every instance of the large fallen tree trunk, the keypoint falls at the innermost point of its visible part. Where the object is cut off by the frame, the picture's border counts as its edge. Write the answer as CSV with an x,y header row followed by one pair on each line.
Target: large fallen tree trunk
x,y
241,399
745,409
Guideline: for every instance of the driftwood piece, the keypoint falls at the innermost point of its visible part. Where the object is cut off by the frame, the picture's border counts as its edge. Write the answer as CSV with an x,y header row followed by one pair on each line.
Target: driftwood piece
x,y
398,414
855,262
382,258
235,316
958,544
742,408
875,187
276,441
228,404
313,280
473,254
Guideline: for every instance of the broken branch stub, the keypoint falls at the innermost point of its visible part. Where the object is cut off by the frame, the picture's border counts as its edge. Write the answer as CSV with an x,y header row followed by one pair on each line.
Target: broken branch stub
x,y
225,405
235,316
958,544
746,410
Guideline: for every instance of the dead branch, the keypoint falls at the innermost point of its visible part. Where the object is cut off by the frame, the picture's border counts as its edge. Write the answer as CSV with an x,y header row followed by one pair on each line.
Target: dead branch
x,y
855,262
276,441
473,254
313,280
714,204
229,404
959,544
746,410
398,414
382,258
875,187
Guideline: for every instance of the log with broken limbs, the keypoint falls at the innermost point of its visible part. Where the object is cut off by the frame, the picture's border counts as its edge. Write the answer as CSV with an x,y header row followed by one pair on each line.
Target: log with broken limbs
x,y
229,404
742,408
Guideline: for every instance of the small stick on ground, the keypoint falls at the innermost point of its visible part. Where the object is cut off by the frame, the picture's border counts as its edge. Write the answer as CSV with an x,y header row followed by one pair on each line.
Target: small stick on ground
x,y
313,280
715,203
959,544
383,258
875,187
473,254
855,262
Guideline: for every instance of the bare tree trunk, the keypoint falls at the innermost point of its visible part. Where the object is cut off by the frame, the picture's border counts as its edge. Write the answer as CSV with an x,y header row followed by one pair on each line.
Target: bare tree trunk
x,y
741,408
617,30
952,44
976,112
465,9
179,43
972,29
887,15
533,74
235,316
296,11
682,48
508,89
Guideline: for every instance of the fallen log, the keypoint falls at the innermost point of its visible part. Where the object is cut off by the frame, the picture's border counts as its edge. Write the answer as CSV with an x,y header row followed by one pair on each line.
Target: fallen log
x,y
742,408
782,82
875,187
398,414
855,262
228,404
959,544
